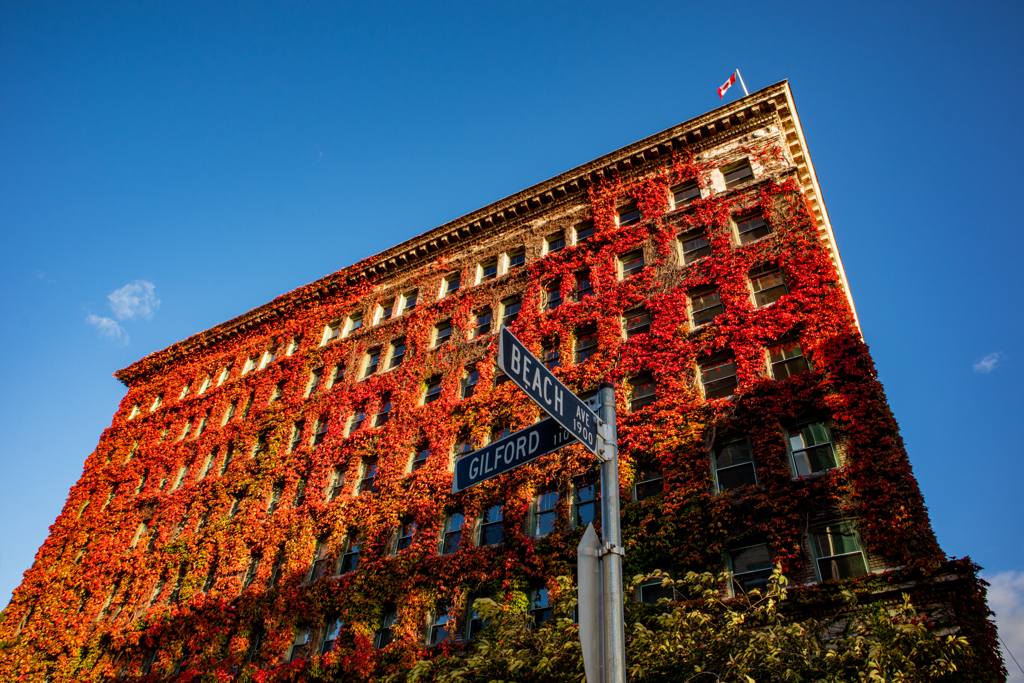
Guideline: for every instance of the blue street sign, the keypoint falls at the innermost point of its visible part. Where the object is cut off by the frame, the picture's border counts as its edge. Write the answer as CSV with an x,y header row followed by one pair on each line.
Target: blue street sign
x,y
523,368
509,453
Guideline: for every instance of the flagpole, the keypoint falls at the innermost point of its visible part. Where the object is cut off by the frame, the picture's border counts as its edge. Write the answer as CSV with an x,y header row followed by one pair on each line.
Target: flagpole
x,y
742,83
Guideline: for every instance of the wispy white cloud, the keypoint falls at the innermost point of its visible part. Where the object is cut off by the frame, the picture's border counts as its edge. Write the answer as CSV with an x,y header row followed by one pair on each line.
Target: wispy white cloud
x,y
135,299
1006,599
108,327
989,362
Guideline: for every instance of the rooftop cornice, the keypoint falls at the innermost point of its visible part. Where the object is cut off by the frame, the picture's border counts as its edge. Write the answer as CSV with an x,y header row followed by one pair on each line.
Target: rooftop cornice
x,y
696,134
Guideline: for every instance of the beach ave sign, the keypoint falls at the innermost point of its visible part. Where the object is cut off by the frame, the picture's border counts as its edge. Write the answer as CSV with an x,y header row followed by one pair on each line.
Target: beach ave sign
x,y
523,368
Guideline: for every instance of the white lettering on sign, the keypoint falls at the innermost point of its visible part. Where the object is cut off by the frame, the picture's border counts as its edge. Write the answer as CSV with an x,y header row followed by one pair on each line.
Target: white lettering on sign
x,y
474,468
515,358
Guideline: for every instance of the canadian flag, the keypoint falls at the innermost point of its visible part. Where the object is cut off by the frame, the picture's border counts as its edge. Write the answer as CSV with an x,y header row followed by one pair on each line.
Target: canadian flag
x,y
725,86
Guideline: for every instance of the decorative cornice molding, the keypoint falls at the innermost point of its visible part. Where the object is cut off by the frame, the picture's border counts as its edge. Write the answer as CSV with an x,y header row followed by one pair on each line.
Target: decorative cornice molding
x,y
695,135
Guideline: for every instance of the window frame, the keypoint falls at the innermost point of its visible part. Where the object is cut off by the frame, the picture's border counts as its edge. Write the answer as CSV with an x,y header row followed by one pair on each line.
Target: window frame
x,y
640,402
507,303
687,184
587,480
730,566
482,268
627,210
711,363
752,234
447,281
795,452
581,334
622,259
635,314
800,361
715,469
371,362
700,293
438,340
639,481
450,539
479,331
553,239
536,513
855,533
766,271
428,395
484,523
730,169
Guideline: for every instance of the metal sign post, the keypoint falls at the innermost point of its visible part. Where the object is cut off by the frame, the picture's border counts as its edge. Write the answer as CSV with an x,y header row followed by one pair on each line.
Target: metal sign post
x,y
602,629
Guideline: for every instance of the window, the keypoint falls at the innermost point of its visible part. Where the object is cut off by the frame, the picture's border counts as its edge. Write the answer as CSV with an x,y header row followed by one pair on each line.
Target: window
x,y
319,432
474,622
384,636
157,402
586,343
314,380
812,449
737,173
482,323
385,310
255,641
584,231
628,214
516,258
705,306
510,310
300,648
452,532
787,359
631,263
211,579
718,377
450,284
499,376
275,571
228,454
750,567
277,391
350,558
652,591
684,193
442,332
438,627
549,355
185,390
320,561
768,286
339,375
586,491
464,447
296,435
636,321
207,466
552,297
368,478
469,383
433,390
643,392
180,478
490,525
544,514
261,446
332,627
488,270
236,503
269,356
372,361
357,421
837,552
229,413
224,374
300,493
275,498
354,322
409,300
540,606
648,482
695,246
337,484
419,458
250,573
584,287
205,385
293,345
734,466
405,535
751,227
554,242
383,413
184,432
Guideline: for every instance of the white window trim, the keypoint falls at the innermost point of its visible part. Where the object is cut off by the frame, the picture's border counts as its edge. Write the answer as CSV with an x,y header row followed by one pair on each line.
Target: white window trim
x,y
224,374
350,320
714,463
860,544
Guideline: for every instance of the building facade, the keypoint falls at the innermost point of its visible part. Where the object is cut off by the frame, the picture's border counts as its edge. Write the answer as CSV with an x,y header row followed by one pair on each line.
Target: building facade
x,y
273,495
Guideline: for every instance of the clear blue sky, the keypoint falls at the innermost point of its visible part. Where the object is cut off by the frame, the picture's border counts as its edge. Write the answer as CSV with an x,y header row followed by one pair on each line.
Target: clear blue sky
x,y
229,152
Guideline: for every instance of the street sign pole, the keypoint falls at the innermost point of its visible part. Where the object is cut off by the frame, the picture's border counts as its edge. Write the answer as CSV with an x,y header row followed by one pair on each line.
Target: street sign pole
x,y
614,649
